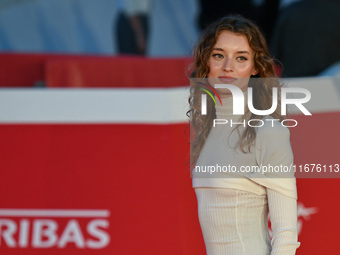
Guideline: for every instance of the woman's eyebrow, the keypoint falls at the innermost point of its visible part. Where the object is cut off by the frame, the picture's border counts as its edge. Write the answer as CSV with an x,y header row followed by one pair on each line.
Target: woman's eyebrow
x,y
243,52
238,52
220,49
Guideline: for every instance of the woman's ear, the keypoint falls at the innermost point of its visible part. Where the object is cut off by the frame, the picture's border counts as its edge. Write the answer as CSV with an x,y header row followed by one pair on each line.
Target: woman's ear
x,y
254,72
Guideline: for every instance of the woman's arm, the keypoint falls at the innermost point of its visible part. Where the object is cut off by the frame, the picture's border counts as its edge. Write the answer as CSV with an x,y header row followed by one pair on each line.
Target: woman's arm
x,y
283,217
273,149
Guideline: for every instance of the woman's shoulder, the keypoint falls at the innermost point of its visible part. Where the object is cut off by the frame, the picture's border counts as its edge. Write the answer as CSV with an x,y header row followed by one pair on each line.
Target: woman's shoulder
x,y
272,129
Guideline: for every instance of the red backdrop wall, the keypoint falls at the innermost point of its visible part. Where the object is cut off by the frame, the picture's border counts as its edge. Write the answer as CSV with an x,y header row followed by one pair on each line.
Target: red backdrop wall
x,y
136,172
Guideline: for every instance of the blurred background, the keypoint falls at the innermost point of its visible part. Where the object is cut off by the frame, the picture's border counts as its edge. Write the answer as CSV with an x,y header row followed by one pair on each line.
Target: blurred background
x,y
94,144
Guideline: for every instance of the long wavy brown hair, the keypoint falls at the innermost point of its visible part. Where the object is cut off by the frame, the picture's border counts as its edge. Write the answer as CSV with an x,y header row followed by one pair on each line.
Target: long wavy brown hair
x,y
201,125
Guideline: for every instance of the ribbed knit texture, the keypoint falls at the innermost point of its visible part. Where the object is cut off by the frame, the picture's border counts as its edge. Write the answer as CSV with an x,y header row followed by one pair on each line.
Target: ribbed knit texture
x,y
233,206
283,217
233,221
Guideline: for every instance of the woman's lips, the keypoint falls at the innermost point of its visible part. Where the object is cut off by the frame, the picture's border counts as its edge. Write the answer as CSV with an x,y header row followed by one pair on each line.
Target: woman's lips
x,y
226,79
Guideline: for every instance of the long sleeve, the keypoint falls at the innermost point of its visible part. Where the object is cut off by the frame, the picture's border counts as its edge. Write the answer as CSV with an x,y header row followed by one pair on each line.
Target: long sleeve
x,y
283,216
273,149
275,157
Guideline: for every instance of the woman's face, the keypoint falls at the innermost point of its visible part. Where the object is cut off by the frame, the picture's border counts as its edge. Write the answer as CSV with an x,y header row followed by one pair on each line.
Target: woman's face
x,y
231,62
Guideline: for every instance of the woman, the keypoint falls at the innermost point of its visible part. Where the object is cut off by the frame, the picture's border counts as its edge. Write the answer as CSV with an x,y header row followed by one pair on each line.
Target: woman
x,y
233,204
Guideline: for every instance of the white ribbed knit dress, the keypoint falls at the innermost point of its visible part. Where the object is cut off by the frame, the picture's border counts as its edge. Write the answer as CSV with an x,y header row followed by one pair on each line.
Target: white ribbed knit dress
x,y
233,206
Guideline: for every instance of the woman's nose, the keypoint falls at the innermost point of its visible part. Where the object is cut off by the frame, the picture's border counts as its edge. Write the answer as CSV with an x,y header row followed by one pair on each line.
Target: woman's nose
x,y
227,65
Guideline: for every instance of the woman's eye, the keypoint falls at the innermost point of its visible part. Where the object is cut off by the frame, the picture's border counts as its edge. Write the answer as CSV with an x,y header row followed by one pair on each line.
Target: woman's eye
x,y
241,58
217,56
